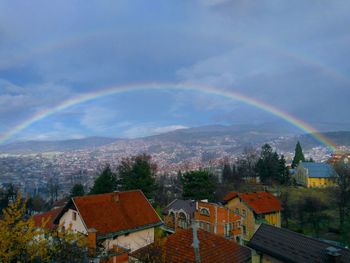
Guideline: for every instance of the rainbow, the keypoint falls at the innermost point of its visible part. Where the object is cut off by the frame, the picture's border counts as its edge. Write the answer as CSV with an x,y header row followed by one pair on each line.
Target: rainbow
x,y
79,99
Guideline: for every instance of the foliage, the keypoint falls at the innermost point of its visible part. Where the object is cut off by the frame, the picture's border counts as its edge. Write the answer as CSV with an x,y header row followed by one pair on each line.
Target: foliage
x,y
298,156
20,240
105,183
270,167
35,204
137,173
342,191
198,185
77,190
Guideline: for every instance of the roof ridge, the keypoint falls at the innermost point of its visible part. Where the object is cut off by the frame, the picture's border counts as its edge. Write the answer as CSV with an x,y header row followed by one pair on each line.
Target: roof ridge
x,y
88,195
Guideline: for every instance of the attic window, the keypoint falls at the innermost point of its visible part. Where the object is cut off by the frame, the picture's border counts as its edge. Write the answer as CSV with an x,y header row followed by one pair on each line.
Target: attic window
x,y
74,216
204,211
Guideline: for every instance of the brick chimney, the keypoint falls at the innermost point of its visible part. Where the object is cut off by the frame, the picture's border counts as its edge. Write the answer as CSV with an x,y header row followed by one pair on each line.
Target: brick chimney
x,y
91,240
115,196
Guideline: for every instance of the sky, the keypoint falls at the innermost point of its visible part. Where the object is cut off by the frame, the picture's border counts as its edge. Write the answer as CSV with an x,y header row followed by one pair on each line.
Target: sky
x,y
294,55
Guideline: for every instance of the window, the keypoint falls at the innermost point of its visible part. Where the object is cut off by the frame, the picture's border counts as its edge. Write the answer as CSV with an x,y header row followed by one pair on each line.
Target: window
x,y
204,211
201,225
182,220
244,213
244,230
74,216
208,227
236,211
214,229
227,230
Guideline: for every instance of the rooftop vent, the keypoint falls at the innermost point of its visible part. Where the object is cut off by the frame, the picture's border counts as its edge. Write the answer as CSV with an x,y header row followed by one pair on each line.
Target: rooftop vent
x,y
333,255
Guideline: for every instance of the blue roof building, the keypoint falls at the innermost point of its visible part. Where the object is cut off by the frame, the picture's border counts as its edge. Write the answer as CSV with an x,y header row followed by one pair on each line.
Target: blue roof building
x,y
311,174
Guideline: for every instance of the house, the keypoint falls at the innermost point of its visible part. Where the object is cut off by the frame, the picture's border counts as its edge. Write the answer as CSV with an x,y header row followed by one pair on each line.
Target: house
x,y
114,220
48,218
178,215
272,244
219,220
254,208
192,246
310,174
339,156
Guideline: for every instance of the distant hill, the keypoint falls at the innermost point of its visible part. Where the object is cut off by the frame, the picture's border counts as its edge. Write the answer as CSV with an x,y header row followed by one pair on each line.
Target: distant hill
x,y
308,141
27,147
214,139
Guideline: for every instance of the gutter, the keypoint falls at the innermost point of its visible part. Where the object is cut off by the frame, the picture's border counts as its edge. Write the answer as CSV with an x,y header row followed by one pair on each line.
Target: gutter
x,y
128,231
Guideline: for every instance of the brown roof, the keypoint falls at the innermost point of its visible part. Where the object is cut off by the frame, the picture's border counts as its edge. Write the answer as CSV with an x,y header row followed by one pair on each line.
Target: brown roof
x,y
178,248
291,247
259,202
118,211
230,196
40,218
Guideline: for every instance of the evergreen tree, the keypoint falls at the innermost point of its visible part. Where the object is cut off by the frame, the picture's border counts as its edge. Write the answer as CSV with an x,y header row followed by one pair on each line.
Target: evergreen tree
x,y
77,190
198,185
227,174
283,171
268,166
298,156
138,173
105,183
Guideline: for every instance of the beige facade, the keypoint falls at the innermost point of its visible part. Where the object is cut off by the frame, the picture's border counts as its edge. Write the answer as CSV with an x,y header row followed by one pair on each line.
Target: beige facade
x,y
72,220
132,241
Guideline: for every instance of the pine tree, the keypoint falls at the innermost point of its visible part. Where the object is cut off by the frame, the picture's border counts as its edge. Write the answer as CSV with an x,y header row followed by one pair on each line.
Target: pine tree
x,y
105,183
198,185
138,173
298,156
77,190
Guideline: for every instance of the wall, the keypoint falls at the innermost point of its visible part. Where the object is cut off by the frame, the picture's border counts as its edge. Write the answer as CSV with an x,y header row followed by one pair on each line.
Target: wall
x,y
320,182
68,222
132,241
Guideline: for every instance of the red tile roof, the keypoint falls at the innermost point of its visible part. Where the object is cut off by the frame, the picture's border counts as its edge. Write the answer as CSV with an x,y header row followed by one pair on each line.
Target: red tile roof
x,y
261,202
114,212
178,248
40,218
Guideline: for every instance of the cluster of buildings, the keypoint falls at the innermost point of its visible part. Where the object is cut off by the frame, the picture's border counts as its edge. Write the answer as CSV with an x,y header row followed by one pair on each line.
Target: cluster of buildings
x,y
245,227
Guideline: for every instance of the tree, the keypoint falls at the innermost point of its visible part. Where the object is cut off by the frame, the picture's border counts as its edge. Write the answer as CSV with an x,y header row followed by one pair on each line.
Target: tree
x,y
20,240
298,156
105,183
198,185
35,204
138,172
77,190
267,166
283,171
227,174
342,190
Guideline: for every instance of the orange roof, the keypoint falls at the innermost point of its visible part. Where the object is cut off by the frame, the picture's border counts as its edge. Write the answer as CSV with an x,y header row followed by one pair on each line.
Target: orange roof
x,y
178,248
114,212
261,202
39,218
229,196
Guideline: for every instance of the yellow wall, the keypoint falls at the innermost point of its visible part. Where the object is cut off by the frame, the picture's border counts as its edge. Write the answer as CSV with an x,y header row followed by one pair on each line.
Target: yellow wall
x,y
249,220
319,182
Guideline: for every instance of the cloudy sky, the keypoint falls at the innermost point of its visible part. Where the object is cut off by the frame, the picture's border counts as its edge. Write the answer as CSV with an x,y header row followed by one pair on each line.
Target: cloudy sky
x,y
294,55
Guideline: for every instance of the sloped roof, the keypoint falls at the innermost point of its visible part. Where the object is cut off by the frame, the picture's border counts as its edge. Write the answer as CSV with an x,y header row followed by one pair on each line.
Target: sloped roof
x,y
178,248
292,247
229,196
259,202
39,218
319,170
116,212
189,206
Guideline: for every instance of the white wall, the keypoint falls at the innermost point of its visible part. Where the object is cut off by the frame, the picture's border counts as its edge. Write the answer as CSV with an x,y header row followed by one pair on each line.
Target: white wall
x,y
76,226
132,241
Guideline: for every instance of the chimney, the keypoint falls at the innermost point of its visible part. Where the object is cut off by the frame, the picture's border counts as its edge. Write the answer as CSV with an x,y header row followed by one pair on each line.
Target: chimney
x,y
195,243
91,240
333,255
116,196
